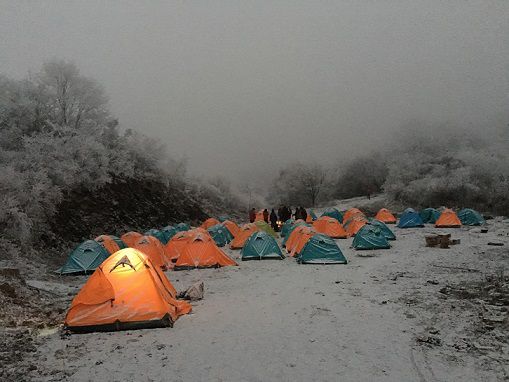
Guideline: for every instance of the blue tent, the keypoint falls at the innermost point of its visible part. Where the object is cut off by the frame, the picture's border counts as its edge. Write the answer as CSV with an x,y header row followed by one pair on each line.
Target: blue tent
x,y
261,245
469,216
389,235
410,219
313,215
286,228
159,235
86,257
220,234
333,213
429,215
168,232
182,227
321,249
370,237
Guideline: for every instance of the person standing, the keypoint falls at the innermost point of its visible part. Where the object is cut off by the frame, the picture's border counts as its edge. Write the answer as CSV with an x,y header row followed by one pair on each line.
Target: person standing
x,y
252,215
303,214
273,220
266,215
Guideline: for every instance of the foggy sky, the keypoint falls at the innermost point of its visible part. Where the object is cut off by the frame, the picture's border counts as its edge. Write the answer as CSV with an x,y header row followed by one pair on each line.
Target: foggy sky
x,y
242,87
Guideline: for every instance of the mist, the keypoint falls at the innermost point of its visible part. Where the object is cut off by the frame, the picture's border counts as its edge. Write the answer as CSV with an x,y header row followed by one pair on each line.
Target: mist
x,y
242,88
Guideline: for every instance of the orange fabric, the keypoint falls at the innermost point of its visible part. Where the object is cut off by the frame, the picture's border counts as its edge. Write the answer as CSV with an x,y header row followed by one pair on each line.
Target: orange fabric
x,y
351,213
210,222
130,238
330,227
242,236
385,216
309,219
125,294
176,244
202,251
108,243
303,237
153,248
448,219
232,227
357,223
294,237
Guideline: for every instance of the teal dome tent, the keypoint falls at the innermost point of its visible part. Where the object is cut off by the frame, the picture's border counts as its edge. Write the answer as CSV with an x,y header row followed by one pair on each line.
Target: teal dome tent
x,y
261,245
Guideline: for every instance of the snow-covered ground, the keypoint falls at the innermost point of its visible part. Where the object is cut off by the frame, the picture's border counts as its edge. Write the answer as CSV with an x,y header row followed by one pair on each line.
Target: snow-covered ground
x,y
388,315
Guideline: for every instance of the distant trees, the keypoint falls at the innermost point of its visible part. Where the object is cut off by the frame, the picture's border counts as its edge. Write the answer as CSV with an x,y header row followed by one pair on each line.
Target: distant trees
x,y
299,184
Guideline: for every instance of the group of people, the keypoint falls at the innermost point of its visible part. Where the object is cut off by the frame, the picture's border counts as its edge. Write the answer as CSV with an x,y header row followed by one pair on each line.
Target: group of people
x,y
283,214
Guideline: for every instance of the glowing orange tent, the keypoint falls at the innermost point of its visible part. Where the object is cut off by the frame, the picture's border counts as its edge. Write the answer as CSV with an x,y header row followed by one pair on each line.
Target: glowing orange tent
x,y
448,219
351,213
330,227
155,251
355,224
210,222
127,291
108,243
244,232
232,227
202,252
385,216
302,238
130,238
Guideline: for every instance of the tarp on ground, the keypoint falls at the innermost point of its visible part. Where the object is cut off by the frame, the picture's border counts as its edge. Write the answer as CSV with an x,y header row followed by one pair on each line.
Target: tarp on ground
x,y
469,216
86,257
370,237
321,249
410,219
261,245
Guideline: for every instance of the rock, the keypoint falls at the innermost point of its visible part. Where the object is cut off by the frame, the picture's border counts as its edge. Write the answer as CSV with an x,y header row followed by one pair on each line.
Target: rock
x,y
194,292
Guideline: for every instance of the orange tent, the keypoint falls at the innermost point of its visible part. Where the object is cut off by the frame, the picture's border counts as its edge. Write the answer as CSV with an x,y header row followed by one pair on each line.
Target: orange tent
x,y
202,252
448,219
130,238
385,216
210,222
351,213
155,251
355,224
330,227
127,291
244,232
108,243
302,238
232,227
294,237
176,244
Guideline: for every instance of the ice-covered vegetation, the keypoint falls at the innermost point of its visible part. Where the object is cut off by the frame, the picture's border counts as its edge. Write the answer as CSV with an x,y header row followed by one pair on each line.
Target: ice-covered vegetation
x,y
423,167
57,136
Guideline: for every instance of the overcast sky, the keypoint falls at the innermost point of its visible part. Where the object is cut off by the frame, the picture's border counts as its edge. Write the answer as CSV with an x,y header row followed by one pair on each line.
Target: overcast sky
x,y
242,87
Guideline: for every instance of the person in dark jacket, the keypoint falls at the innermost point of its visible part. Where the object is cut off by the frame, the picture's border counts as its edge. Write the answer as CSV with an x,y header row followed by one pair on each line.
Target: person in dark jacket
x,y
303,214
266,215
252,215
273,220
